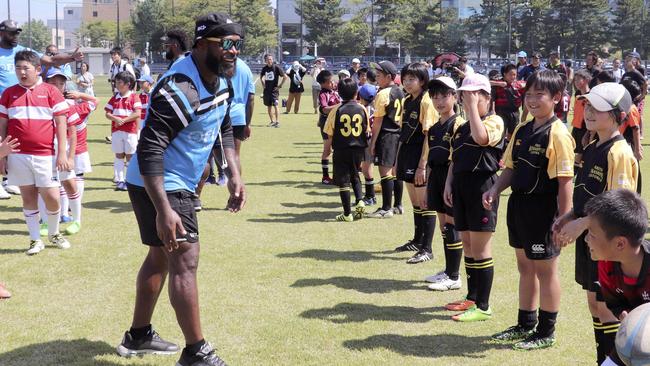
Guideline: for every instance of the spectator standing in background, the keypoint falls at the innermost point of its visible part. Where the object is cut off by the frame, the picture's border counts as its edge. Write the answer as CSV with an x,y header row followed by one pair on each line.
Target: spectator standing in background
x,y
295,73
315,86
85,80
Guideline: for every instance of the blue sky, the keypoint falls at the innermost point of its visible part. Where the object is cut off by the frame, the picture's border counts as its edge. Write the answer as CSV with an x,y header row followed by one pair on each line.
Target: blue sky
x,y
40,9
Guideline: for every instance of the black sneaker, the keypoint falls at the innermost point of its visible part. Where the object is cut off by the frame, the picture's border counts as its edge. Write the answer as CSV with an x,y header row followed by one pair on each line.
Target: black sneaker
x,y
196,201
151,344
410,246
419,257
205,357
513,334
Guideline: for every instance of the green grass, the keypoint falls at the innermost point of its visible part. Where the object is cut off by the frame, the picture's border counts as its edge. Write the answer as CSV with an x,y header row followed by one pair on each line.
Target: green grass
x,y
280,282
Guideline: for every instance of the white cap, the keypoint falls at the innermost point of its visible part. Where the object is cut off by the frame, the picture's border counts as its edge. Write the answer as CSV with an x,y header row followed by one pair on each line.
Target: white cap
x,y
344,72
443,80
356,61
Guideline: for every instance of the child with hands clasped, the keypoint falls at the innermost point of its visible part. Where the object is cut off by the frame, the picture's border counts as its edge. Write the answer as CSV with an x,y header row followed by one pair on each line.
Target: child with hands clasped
x,y
539,169
608,163
477,147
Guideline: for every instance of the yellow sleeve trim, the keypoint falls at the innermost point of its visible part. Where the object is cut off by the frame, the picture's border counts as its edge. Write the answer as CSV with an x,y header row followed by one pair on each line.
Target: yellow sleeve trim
x,y
381,102
331,120
623,169
428,113
494,126
559,151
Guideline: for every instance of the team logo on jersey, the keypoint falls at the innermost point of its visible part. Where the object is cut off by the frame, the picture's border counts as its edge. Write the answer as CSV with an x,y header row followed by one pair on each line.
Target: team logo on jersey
x,y
538,248
517,142
410,171
619,291
200,27
566,165
414,115
645,295
623,181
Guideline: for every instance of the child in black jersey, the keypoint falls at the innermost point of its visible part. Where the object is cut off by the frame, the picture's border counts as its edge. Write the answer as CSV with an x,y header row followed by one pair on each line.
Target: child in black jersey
x,y
539,169
418,115
476,148
347,128
442,91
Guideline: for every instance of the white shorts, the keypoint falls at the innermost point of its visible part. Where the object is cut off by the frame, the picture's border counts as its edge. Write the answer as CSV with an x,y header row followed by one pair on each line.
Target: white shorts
x,y
124,142
28,170
67,175
82,163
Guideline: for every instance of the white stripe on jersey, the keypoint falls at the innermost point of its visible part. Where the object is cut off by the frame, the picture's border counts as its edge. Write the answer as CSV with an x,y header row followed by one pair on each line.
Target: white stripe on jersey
x,y
119,112
171,102
32,112
109,106
82,126
62,106
214,101
73,117
3,109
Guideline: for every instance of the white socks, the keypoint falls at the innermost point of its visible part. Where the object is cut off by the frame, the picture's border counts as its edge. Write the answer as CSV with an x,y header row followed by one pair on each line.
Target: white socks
x,y
31,218
65,202
53,218
75,206
118,169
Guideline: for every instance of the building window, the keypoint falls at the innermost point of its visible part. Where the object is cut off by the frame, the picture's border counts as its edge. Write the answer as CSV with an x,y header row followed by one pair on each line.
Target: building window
x,y
290,31
70,12
95,14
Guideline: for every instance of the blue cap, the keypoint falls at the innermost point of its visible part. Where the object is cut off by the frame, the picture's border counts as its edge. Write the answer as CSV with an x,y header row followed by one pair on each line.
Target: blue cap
x,y
146,78
522,54
367,92
54,71
634,54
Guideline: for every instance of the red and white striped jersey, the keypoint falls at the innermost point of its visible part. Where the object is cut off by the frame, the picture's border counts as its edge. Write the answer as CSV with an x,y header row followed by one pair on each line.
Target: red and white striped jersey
x,y
122,107
30,113
83,110
144,99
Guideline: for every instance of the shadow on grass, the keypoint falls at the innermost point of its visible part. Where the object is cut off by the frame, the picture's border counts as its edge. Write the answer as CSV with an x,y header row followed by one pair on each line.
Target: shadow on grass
x,y
364,285
324,192
99,179
286,183
98,141
307,143
11,251
306,156
296,218
302,171
359,313
12,208
106,163
336,256
11,221
113,206
311,205
74,352
432,346
12,232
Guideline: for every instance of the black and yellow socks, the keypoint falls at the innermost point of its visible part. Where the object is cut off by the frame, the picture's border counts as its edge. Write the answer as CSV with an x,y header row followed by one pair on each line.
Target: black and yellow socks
x,y
453,251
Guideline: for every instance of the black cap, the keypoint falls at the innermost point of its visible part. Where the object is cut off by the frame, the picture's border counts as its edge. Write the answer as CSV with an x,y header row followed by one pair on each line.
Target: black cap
x,y
9,26
537,55
216,25
386,67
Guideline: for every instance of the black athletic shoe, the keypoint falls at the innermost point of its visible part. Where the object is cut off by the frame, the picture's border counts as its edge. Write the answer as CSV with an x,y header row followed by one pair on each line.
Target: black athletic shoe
x,y
419,257
196,201
410,246
205,357
151,344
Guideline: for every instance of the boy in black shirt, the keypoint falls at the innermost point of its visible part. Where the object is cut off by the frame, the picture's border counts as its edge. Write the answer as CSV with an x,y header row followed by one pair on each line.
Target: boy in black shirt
x,y
269,77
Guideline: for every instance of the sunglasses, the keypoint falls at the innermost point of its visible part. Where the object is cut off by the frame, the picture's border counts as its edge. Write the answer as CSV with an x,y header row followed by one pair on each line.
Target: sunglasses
x,y
227,44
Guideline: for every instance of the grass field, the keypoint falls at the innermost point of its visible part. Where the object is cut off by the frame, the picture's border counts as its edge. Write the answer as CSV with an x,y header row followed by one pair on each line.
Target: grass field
x,y
281,283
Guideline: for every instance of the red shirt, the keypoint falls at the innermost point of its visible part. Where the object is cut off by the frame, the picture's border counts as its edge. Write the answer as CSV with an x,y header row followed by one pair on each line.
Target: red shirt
x,y
144,100
30,113
509,98
83,110
122,107
622,293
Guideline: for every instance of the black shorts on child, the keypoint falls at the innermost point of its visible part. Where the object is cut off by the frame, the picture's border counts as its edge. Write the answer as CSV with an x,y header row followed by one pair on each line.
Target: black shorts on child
x,y
347,163
530,218
386,149
408,158
469,213
586,268
436,189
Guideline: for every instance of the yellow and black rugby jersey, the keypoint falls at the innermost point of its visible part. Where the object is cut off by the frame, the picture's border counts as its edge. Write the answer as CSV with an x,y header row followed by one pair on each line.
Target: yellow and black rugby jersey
x,y
607,166
470,157
440,135
418,117
539,156
388,105
349,125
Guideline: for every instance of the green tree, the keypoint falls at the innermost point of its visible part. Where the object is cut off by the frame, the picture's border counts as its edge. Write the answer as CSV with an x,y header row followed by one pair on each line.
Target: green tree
x,y
323,22
147,22
354,35
41,35
586,24
100,33
489,27
260,30
627,24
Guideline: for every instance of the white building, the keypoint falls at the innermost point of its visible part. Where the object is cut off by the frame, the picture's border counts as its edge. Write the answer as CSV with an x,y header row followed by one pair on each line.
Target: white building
x,y
68,27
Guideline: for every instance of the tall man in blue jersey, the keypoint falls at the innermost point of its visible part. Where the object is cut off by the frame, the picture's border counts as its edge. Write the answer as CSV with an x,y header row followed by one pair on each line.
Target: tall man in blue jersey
x,y
187,109
241,109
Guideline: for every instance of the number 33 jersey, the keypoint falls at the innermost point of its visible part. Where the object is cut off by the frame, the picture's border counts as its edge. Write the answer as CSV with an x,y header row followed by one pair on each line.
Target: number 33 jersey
x,y
348,125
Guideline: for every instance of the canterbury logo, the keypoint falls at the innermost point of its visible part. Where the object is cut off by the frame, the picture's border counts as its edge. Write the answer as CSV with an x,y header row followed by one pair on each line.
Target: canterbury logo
x,y
538,248
200,27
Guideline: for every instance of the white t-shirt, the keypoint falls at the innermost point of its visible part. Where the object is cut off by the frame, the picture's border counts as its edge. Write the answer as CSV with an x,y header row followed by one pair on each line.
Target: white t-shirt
x,y
124,66
144,69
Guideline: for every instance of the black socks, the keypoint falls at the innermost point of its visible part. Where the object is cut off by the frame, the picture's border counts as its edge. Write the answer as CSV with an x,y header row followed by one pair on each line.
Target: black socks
x,y
453,251
527,319
344,192
193,349
605,334
428,226
370,187
325,164
546,324
387,192
399,191
484,273
471,279
139,333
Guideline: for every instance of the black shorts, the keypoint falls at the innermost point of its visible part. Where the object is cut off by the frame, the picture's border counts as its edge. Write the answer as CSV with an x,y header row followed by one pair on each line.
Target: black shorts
x,y
578,134
408,158
271,97
145,214
436,189
239,133
467,191
347,164
510,119
386,149
530,218
586,268
367,156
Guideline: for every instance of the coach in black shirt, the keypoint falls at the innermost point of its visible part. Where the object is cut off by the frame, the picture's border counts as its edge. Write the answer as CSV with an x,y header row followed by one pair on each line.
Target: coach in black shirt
x,y
269,77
